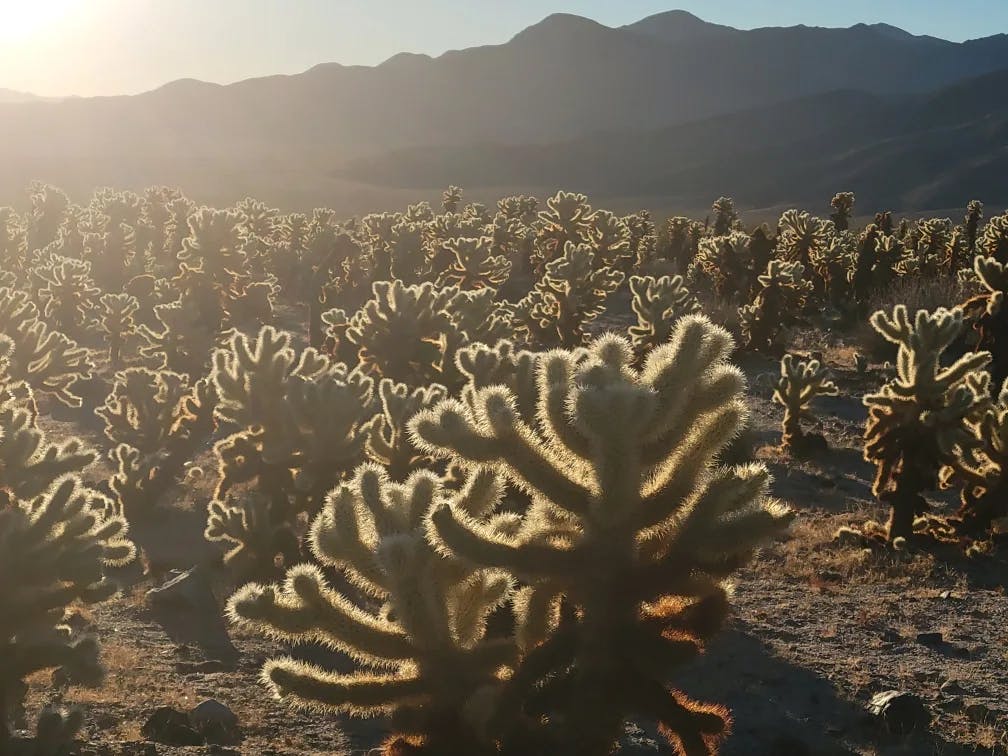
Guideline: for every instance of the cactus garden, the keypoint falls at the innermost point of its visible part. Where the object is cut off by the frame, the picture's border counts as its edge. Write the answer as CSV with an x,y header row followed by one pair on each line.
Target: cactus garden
x,y
533,477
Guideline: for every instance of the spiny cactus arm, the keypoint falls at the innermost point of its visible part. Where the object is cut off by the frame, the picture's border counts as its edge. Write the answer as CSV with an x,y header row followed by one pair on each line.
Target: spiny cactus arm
x,y
465,536
303,608
497,435
690,727
361,694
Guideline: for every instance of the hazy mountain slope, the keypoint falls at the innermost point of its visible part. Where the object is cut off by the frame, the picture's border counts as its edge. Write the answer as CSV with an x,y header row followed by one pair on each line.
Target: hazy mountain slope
x,y
562,80
916,151
10,96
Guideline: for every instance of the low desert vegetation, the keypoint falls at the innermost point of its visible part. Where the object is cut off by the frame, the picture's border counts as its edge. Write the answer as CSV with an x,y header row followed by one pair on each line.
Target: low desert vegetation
x,y
495,455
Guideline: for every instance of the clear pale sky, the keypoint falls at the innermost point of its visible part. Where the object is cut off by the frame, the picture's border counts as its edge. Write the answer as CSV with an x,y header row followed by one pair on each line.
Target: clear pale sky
x,y
89,47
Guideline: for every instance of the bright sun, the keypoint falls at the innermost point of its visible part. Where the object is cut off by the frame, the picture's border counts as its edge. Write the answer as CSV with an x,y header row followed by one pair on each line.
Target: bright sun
x,y
21,20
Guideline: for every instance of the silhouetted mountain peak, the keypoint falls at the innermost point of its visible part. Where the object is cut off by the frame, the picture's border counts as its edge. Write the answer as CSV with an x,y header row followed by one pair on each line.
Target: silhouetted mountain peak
x,y
676,24
560,26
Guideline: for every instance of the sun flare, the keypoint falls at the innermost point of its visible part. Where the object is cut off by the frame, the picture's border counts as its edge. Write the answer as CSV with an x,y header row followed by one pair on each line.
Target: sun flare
x,y
25,19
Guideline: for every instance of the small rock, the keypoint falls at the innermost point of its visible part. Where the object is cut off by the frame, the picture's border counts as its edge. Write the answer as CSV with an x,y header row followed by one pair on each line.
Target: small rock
x,y
891,636
977,712
170,727
930,639
190,590
830,576
215,722
952,706
903,712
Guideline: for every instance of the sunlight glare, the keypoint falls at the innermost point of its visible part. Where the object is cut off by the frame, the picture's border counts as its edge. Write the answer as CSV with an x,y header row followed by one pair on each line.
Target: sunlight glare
x,y
21,20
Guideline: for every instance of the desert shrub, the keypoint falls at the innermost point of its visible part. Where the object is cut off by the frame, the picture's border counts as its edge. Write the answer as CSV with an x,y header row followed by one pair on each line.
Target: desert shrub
x,y
778,305
631,531
800,383
658,304
46,360
917,419
299,422
157,421
56,540
570,294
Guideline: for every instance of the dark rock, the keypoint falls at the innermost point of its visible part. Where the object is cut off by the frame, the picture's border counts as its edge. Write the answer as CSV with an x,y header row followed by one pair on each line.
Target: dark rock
x,y
171,727
187,590
952,687
977,712
930,639
903,712
215,722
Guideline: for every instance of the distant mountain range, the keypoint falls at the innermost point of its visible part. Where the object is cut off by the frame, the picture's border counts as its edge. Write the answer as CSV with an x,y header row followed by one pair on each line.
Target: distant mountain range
x,y
670,108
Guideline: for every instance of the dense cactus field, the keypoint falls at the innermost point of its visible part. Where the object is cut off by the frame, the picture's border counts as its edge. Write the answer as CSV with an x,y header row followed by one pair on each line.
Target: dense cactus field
x,y
528,479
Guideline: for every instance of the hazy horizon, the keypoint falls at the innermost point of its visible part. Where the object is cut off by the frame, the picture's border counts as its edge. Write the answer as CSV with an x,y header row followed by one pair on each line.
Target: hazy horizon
x,y
59,48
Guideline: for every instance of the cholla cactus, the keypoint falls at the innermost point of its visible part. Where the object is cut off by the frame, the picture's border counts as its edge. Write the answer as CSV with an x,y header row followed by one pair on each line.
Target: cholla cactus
x,y
832,264
569,296
451,199
425,660
722,265
157,421
183,343
611,238
56,538
679,241
777,306
118,323
632,526
725,216
990,315
500,365
69,294
403,332
994,240
473,266
971,224
46,360
658,304
389,443
800,235
918,419
300,423
800,383
567,219
983,471
843,207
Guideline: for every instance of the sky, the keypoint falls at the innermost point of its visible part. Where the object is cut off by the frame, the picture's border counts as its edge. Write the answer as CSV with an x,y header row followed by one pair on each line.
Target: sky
x,y
109,47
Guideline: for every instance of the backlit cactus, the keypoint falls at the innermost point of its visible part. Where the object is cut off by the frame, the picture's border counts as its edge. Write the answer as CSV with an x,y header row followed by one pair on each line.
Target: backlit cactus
x,y
633,527
778,305
919,419
800,383
658,304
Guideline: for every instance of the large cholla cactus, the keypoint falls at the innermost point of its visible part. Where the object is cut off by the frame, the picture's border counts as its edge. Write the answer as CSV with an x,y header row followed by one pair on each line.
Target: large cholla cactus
x,y
725,216
567,219
918,420
778,305
389,443
800,383
570,295
183,342
300,423
473,264
658,304
843,207
983,471
993,241
56,539
425,658
633,527
46,360
118,323
722,265
989,314
402,332
800,234
68,295
157,419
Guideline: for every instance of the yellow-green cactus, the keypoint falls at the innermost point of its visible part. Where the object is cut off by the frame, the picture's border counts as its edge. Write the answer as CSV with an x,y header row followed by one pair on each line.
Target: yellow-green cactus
x,y
424,658
658,304
800,383
918,419
633,526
